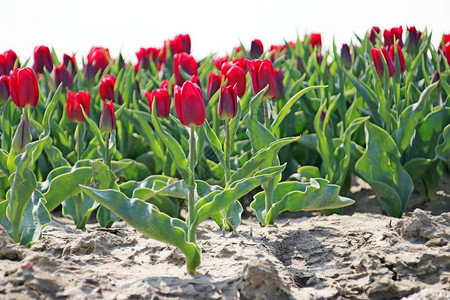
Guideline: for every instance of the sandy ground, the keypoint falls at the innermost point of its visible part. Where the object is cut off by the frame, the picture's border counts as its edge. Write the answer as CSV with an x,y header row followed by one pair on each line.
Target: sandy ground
x,y
359,256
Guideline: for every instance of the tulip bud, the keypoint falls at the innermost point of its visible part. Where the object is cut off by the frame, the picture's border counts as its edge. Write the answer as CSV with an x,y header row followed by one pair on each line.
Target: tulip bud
x,y
227,107
89,74
74,104
22,136
186,63
373,34
195,79
218,61
397,35
42,58
62,75
4,88
106,88
99,57
316,40
447,52
213,85
401,58
413,39
107,118
189,104
161,96
235,75
166,85
389,62
388,38
7,61
279,82
262,74
184,43
319,57
69,63
346,57
256,49
23,87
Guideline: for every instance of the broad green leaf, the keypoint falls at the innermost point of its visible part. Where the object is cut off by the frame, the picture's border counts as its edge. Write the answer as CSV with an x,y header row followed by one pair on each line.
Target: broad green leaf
x,y
149,221
318,194
380,167
443,148
214,142
409,119
129,169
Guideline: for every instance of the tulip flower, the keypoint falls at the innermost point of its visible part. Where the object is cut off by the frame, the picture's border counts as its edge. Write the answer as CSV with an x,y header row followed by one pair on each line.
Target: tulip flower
x,y
316,40
189,104
106,88
413,39
275,51
256,49
346,57
401,58
262,74
42,58
62,75
23,87
235,75
447,52
319,58
279,82
74,104
184,43
145,55
161,96
213,85
186,63
388,38
4,88
378,62
99,57
227,107
7,61
107,118
373,34
218,61
69,62
195,79
394,33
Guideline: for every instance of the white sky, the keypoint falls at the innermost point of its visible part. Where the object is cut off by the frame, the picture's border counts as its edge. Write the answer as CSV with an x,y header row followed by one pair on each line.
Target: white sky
x,y
75,26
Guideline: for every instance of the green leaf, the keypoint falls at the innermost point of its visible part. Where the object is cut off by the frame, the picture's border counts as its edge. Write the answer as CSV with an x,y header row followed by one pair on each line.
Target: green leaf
x,y
287,107
214,142
380,167
295,196
149,221
218,200
130,169
410,117
443,148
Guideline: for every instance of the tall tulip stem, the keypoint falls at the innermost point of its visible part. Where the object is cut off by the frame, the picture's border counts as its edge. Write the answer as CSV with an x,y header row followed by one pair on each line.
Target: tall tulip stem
x,y
387,103
107,158
266,113
79,140
191,186
227,150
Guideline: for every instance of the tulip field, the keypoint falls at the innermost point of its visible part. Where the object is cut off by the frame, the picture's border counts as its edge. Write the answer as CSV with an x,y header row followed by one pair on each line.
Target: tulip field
x,y
171,142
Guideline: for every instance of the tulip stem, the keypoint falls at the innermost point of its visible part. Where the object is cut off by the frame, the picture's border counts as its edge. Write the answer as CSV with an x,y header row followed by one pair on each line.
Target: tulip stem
x,y
227,150
266,113
79,141
191,186
387,103
108,159
26,114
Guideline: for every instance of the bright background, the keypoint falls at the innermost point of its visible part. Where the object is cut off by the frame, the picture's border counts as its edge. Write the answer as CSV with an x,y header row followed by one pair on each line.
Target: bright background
x,y
75,26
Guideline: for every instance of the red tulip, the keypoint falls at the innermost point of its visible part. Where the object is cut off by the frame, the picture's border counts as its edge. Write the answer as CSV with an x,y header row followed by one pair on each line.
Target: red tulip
x,y
401,58
235,75
23,87
262,74
240,62
106,88
227,107
62,75
275,50
4,88
99,57
373,34
447,52
88,73
256,49
195,79
378,62
166,85
279,82
394,33
42,58
162,99
189,104
145,55
107,118
413,39
218,61
316,40
74,104
187,63
184,43
70,61
213,84
388,38
346,57
7,61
